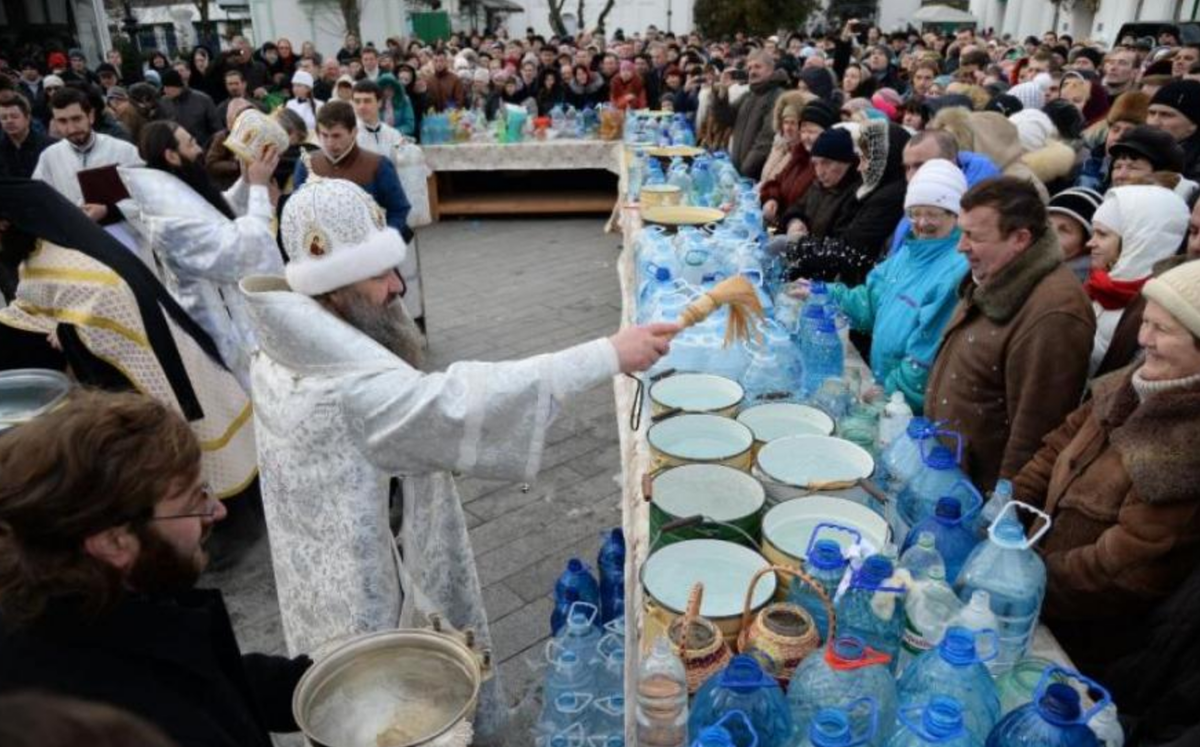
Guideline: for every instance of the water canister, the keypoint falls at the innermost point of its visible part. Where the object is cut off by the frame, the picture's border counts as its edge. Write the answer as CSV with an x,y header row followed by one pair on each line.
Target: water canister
x,y
831,727
611,562
938,722
1055,718
956,668
921,557
952,529
872,610
744,686
844,670
826,565
938,475
1014,576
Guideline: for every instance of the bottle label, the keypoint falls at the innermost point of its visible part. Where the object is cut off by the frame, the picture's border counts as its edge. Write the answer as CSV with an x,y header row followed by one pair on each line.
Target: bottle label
x,y
913,641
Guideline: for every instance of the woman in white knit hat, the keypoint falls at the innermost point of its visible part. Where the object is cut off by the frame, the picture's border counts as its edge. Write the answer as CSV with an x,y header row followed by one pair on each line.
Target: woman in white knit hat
x,y
302,101
1135,227
1118,480
909,297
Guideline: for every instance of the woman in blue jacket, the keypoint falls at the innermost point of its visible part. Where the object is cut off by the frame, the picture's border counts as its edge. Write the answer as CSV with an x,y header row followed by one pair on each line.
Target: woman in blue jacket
x,y
908,298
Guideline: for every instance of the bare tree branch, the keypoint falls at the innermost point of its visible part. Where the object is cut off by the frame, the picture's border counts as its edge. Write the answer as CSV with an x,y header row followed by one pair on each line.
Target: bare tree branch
x,y
608,6
556,19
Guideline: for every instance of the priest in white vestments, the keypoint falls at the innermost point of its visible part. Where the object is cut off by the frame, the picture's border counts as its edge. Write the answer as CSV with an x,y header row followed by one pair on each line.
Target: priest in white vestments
x,y
341,406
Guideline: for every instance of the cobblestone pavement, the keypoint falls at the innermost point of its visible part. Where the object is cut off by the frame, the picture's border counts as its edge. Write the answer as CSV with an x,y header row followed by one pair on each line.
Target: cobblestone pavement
x,y
501,289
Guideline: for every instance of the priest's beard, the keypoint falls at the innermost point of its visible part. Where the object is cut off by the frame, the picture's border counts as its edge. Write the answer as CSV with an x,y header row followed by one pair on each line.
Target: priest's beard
x,y
192,173
389,325
160,568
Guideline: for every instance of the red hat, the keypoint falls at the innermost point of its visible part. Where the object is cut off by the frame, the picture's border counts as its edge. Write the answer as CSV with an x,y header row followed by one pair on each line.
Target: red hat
x,y
57,60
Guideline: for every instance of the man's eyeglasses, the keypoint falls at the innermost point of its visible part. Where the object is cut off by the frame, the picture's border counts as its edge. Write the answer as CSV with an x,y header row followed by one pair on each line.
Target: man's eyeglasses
x,y
211,504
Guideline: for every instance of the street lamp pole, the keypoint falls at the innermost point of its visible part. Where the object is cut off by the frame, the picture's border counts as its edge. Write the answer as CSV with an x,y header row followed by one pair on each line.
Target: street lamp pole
x,y
129,24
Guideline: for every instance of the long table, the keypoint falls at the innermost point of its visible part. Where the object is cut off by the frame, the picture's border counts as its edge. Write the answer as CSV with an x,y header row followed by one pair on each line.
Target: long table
x,y
567,155
635,462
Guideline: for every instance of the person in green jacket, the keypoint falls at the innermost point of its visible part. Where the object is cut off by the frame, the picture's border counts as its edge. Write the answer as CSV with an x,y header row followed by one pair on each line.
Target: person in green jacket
x,y
908,298
397,108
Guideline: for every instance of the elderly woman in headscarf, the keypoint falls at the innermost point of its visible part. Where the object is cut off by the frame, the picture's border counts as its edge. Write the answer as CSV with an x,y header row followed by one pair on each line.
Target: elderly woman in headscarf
x,y
1118,479
787,172
1134,228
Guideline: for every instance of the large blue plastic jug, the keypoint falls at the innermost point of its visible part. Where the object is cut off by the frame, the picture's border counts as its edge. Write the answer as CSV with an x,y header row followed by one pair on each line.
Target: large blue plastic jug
x,y
611,562
826,565
831,727
880,623
744,686
952,528
1014,576
938,475
956,668
939,722
1055,718
718,735
841,672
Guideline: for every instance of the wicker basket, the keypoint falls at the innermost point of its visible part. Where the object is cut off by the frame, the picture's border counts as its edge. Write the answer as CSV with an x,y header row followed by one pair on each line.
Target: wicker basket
x,y
783,631
698,642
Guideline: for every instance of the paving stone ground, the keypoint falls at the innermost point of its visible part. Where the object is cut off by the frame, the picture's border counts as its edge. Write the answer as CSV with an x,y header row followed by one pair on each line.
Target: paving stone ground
x,y
501,289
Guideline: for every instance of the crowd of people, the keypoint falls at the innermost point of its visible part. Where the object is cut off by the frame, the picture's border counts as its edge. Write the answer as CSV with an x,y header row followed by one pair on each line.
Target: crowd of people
x,y
1008,225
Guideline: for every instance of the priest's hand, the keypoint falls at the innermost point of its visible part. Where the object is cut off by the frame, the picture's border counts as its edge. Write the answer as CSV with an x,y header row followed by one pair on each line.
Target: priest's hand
x,y
96,212
262,168
639,348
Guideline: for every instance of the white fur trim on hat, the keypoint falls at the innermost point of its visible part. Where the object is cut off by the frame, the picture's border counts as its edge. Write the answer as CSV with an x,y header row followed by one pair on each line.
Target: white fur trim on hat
x,y
302,78
938,183
384,250
1178,291
1034,128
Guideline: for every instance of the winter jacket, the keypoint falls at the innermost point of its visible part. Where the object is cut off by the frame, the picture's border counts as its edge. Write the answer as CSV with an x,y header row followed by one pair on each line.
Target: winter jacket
x,y
619,88
1013,361
1191,156
591,94
793,180
173,661
445,91
1118,480
196,113
904,305
975,168
992,135
826,212
751,122
781,150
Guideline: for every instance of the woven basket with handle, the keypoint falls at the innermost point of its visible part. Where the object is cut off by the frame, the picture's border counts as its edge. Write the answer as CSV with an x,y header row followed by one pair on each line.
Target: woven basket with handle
x,y
698,642
783,631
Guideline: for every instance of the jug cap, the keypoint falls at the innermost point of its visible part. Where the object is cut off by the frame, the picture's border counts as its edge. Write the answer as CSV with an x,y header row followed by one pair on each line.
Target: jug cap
x,y
940,458
948,510
943,717
958,646
1060,704
662,274
718,735
874,571
919,428
827,325
826,555
744,674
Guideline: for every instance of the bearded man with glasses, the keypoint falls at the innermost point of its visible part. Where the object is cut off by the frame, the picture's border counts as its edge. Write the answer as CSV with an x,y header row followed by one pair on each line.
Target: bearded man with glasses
x,y
103,520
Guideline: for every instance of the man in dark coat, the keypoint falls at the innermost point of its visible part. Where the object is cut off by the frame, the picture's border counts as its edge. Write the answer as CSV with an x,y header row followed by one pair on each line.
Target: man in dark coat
x,y
750,117
21,143
105,517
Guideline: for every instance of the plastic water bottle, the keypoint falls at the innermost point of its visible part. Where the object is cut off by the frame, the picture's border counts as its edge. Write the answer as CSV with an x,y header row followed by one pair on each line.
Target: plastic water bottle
x,y
938,475
897,414
922,557
928,607
702,185
940,722
610,679
677,176
743,686
565,711
1014,576
823,356
611,562
831,726
607,718
718,735
580,633
1055,718
837,674
977,616
637,175
953,535
872,610
566,675
955,668
902,460
662,698
1002,494
562,608
815,307
825,565
579,577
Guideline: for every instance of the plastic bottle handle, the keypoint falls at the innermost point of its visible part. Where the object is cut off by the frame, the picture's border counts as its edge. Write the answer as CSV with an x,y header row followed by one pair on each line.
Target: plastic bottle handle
x,y
1014,505
977,504
583,608
958,445
812,540
1048,675
992,635
745,722
873,723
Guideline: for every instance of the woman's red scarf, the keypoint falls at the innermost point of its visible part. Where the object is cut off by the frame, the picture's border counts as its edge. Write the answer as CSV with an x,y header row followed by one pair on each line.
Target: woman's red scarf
x,y
1110,293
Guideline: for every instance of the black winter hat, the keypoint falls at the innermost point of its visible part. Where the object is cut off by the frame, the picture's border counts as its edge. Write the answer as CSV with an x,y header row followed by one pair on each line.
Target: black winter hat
x,y
1079,203
1182,96
1004,103
171,77
1151,144
821,113
818,81
836,145
1067,118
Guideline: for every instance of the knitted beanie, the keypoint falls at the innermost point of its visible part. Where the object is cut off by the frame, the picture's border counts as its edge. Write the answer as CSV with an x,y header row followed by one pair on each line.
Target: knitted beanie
x,y
938,183
821,113
1034,128
1181,95
302,78
1077,203
1178,291
1031,94
836,145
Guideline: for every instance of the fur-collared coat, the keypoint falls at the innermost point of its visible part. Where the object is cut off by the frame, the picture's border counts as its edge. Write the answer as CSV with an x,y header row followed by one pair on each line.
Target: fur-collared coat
x,y
1118,479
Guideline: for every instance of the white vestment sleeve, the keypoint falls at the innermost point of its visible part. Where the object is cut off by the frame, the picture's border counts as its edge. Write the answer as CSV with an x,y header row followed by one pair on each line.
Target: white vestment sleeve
x,y
483,419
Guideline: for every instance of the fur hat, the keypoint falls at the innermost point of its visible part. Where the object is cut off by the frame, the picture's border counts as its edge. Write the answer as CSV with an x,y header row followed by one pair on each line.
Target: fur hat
x,y
1178,291
1151,144
1130,106
335,235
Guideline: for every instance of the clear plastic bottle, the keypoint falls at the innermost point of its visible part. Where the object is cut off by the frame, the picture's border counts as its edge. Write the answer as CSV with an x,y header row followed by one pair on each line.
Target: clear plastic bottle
x,y
977,616
922,557
823,355
611,563
951,527
939,722
928,607
1001,495
826,565
872,609
955,668
662,698
835,675
636,176
580,633
895,419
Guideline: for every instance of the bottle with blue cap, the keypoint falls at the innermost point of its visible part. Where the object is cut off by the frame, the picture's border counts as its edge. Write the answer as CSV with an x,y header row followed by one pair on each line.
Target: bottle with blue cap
x,y
956,667
580,633
938,475
611,562
822,352
578,577
901,461
1001,495
1014,576
831,727
720,734
951,527
1055,717
744,686
938,722
838,673
873,610
826,565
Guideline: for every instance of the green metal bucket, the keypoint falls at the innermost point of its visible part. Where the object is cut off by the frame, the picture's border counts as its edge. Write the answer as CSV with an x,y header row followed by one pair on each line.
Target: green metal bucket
x,y
706,501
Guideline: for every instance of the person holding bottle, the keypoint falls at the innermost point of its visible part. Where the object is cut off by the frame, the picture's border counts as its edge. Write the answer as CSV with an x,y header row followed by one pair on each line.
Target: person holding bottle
x,y
1117,479
909,297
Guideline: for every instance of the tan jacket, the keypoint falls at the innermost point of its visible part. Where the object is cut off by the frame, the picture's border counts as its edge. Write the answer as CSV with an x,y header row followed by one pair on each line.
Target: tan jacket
x,y
1013,361
1118,479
